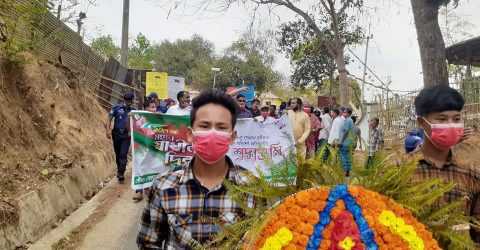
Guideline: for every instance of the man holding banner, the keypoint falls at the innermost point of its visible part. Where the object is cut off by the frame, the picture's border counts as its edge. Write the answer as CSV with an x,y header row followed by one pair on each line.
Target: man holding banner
x,y
183,107
187,203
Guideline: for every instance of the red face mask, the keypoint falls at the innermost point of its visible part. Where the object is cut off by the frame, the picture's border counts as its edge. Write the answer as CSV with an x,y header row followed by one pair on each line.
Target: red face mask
x,y
445,136
210,146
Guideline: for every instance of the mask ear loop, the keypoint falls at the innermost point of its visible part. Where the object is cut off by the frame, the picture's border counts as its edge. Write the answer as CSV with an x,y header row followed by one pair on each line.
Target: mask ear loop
x,y
425,131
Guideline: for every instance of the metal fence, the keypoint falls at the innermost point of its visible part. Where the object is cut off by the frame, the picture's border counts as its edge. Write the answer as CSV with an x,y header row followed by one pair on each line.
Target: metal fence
x,y
397,114
51,39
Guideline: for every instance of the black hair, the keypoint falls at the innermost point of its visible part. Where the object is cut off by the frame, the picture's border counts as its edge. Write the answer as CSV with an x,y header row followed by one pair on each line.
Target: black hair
x,y
299,103
312,109
240,96
273,107
336,111
326,110
256,100
283,105
348,110
147,102
376,120
438,99
265,108
181,94
354,119
216,97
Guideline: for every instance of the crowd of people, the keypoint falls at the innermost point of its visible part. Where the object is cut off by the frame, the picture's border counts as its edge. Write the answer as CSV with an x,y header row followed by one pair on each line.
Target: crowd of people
x,y
187,204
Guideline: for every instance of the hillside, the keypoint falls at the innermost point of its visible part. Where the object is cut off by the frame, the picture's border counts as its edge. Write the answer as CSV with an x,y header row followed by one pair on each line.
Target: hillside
x,y
48,124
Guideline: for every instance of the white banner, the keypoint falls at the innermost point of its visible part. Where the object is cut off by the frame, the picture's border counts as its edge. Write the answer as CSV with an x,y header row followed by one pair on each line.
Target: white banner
x,y
264,146
175,85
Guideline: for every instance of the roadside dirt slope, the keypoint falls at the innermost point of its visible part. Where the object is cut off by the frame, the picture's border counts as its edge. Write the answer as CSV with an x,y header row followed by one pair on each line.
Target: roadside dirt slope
x,y
48,124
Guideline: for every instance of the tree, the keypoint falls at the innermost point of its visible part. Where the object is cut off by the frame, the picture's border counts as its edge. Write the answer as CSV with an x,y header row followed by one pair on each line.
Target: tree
x,y
311,62
190,58
141,53
430,40
105,46
332,22
249,60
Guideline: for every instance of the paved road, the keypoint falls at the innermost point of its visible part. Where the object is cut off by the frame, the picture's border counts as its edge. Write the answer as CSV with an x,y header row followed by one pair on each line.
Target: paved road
x,y
109,221
118,230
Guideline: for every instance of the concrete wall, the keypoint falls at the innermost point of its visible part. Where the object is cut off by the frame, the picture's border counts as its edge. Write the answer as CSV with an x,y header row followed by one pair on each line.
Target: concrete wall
x,y
40,210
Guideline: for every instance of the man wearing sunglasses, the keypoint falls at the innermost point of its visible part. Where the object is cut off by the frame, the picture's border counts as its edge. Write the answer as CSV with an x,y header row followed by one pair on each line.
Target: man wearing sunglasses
x,y
242,103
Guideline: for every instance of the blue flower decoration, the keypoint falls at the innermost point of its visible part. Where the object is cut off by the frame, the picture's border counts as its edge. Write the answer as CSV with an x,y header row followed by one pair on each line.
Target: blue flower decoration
x,y
341,192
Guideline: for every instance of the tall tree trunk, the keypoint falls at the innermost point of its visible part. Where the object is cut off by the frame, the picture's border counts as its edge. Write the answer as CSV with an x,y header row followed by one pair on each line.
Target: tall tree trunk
x,y
342,76
430,41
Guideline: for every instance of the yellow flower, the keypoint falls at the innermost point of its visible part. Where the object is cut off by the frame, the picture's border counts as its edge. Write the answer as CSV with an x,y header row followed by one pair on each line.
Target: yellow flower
x,y
346,244
280,239
398,226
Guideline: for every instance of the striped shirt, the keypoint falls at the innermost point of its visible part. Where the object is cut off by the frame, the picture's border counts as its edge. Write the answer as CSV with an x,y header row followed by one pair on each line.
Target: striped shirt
x,y
180,212
466,180
375,141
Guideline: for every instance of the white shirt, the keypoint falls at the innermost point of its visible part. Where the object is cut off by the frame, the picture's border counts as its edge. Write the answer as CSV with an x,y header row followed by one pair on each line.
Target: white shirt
x,y
176,110
327,125
269,119
336,130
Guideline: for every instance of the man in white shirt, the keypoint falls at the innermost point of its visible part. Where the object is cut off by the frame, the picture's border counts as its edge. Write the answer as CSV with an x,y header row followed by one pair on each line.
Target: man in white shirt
x,y
265,115
183,107
326,126
337,125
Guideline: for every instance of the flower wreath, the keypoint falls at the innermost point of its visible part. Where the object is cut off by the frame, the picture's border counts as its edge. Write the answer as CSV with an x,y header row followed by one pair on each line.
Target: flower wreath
x,y
341,218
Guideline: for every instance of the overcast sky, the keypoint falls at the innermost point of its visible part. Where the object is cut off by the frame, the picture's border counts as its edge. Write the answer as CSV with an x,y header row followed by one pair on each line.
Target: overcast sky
x,y
393,53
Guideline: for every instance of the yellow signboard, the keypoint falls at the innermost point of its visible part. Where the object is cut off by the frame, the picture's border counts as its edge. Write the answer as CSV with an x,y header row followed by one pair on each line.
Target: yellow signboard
x,y
157,82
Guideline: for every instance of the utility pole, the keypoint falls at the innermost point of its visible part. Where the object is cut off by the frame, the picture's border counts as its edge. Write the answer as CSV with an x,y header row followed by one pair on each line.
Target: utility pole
x,y
124,51
59,10
215,70
365,65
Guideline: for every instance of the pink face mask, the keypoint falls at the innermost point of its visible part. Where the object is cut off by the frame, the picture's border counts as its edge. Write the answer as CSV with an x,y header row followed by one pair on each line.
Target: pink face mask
x,y
445,136
210,146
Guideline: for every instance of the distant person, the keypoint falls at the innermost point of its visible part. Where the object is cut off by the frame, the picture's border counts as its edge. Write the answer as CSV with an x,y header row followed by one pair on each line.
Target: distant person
x,y
312,139
300,123
265,115
255,110
337,125
283,107
326,126
183,107
413,142
242,103
357,142
120,133
273,111
192,203
347,138
375,141
324,134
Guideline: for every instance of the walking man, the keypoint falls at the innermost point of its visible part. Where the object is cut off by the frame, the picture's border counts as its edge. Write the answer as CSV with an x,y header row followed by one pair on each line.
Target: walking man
x,y
375,141
346,141
300,122
120,133
188,205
